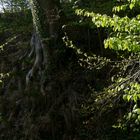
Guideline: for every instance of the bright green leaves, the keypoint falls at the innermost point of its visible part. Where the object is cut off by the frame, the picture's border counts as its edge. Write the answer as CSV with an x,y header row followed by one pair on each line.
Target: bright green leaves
x,y
132,93
137,111
125,30
125,36
129,4
130,43
134,3
117,23
120,8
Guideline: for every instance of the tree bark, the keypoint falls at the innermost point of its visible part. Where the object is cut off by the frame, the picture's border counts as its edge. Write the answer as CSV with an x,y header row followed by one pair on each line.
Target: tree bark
x,y
47,50
44,47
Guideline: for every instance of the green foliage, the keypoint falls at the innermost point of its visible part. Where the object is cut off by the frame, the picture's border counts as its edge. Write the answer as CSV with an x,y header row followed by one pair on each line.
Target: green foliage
x,y
128,4
98,112
132,93
125,35
88,61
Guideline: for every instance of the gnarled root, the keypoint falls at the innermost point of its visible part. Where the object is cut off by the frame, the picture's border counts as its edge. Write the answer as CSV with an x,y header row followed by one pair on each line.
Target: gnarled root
x,y
37,49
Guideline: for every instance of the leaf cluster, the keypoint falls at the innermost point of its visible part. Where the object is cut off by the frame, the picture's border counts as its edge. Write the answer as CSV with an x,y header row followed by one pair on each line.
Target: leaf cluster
x,y
125,30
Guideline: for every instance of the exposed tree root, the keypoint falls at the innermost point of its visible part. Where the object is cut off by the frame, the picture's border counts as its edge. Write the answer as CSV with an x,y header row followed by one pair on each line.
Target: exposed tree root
x,y
36,45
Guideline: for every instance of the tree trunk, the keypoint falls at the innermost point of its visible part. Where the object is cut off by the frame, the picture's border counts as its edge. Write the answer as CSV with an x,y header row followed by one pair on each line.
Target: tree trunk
x,y
44,39
46,43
